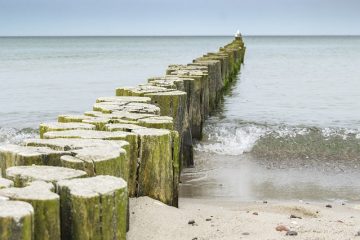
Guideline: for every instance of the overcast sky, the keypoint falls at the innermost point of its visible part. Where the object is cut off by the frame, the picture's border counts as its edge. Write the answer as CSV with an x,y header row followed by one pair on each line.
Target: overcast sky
x,y
181,17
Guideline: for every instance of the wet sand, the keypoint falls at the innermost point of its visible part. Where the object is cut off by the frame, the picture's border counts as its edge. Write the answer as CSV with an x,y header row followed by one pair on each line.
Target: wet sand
x,y
248,178
222,193
228,220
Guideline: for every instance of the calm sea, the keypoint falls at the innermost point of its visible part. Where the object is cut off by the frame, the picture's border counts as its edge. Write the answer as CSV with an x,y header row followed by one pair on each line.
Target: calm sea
x,y
288,129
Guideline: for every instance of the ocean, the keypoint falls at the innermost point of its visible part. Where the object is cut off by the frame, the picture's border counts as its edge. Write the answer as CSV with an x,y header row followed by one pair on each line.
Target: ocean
x,y
288,128
42,77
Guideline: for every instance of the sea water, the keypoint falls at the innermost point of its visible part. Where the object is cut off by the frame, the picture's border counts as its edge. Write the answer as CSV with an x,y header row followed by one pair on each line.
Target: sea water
x,y
42,77
288,128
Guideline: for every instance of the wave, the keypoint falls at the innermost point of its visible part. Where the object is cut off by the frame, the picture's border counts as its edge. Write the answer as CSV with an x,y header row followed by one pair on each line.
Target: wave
x,y
280,141
230,139
16,136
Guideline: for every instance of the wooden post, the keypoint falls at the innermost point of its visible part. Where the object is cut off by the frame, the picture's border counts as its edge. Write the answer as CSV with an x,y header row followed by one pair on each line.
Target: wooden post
x,y
16,220
93,208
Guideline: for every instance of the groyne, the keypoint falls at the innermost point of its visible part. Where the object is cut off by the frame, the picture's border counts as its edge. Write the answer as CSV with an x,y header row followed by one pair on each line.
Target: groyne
x,y
75,180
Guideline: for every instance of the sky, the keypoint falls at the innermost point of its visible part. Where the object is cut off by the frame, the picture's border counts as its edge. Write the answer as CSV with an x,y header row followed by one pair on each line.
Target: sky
x,y
180,17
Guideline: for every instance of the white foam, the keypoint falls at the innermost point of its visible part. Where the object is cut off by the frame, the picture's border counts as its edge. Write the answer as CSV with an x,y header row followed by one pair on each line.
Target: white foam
x,y
240,138
231,140
15,136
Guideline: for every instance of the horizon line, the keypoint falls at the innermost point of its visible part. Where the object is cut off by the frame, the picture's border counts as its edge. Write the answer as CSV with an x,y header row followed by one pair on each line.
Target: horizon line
x,y
244,35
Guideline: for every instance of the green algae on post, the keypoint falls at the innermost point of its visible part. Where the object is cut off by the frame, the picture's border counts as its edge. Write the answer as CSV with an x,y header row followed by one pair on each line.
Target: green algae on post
x,y
123,165
16,220
14,155
58,126
46,206
173,104
93,208
155,177
23,175
160,122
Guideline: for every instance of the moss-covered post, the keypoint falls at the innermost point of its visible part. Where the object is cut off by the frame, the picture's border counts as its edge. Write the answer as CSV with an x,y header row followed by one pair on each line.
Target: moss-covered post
x,y
176,162
46,206
174,104
214,81
196,98
114,164
16,220
93,208
161,122
58,126
156,169
24,175
183,84
14,155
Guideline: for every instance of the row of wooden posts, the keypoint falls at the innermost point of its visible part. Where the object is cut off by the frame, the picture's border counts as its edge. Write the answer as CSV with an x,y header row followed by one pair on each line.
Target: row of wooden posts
x,y
74,182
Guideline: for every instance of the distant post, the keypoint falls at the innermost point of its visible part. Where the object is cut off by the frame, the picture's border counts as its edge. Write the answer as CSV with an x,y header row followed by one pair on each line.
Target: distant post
x,y
238,35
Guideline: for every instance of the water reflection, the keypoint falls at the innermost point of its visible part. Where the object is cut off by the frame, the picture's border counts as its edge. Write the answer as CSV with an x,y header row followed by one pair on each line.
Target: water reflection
x,y
247,178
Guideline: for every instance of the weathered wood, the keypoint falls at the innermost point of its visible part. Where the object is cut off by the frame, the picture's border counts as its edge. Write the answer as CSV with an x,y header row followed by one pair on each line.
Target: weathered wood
x,y
110,107
16,220
176,163
214,81
122,127
161,122
46,206
56,126
201,91
124,99
94,156
14,155
5,183
93,208
156,169
23,175
174,104
120,116
66,118
224,60
121,166
195,99
140,90
170,82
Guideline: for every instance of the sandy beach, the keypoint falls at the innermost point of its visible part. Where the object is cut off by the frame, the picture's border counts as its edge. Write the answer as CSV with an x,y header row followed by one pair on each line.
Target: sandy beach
x,y
214,219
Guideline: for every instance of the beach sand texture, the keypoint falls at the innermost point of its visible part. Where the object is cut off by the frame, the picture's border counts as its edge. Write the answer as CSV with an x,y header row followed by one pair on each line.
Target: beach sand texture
x,y
217,219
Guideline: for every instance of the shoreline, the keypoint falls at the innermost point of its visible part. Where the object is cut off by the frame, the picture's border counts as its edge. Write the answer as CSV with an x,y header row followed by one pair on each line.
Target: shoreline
x,y
229,220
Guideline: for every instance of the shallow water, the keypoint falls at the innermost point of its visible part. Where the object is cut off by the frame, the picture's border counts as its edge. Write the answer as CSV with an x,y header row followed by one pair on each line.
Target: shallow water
x,y
248,178
289,127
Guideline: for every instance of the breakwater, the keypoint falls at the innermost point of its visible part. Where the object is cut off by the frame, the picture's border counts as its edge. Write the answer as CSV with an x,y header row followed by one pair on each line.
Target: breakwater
x,y
74,181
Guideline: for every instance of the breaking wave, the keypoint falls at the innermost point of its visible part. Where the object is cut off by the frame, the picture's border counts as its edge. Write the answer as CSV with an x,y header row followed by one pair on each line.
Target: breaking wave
x,y
16,136
269,141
